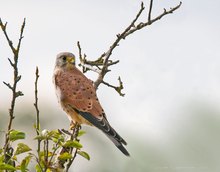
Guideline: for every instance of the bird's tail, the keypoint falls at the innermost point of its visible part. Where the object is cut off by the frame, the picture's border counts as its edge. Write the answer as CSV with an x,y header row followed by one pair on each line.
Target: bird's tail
x,y
117,140
104,126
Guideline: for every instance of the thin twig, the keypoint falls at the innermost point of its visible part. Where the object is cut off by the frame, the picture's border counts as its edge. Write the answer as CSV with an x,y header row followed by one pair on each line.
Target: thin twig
x,y
129,30
87,65
107,54
65,132
21,36
10,43
38,161
53,154
102,64
17,78
117,88
46,153
37,125
150,10
80,51
65,165
73,137
148,23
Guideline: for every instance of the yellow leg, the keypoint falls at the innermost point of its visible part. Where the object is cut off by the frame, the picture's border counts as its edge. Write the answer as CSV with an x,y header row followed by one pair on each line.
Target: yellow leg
x,y
72,125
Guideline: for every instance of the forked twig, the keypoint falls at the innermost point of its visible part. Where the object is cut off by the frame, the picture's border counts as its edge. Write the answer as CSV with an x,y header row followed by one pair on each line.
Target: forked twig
x,y
102,64
13,87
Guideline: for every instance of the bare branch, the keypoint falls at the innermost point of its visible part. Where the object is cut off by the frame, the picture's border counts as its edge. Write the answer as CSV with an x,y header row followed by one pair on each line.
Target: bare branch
x,y
8,85
65,132
80,51
46,151
150,10
151,21
37,125
113,63
88,65
117,88
102,64
10,43
13,87
21,36
129,30
11,63
106,55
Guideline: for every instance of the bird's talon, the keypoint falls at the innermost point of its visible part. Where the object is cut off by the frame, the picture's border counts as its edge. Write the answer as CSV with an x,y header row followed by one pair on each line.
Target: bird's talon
x,y
72,125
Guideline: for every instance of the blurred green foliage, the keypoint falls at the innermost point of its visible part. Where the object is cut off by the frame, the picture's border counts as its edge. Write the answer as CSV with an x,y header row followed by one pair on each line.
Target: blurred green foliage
x,y
189,143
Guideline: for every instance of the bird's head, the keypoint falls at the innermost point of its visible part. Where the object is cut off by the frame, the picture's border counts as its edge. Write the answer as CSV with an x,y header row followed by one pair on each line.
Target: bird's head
x,y
65,60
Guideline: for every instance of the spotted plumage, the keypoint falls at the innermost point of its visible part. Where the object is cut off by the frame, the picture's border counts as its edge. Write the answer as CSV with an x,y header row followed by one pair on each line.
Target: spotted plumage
x,y
78,98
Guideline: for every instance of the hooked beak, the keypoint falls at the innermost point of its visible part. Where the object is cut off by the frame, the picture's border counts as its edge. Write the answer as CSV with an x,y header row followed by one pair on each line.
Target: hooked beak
x,y
71,60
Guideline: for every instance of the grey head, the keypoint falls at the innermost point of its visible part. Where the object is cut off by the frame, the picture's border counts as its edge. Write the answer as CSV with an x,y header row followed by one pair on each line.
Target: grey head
x,y
65,58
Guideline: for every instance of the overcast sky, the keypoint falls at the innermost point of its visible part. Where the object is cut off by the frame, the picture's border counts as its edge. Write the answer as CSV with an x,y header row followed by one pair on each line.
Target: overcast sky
x,y
174,61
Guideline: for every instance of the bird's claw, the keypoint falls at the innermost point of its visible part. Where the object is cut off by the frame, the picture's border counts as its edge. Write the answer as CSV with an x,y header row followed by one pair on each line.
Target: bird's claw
x,y
74,125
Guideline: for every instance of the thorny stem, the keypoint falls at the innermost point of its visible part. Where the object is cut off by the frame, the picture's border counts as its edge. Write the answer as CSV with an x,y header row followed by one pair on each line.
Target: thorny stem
x,y
16,79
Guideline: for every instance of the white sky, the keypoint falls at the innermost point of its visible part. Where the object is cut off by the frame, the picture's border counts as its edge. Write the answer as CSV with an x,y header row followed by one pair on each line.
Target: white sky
x,y
174,61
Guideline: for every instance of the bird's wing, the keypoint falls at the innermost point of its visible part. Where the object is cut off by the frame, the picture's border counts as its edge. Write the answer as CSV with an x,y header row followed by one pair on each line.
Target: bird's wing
x,y
79,93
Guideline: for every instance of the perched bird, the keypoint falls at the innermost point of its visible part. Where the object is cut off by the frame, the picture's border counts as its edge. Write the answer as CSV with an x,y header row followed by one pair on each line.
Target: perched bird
x,y
78,98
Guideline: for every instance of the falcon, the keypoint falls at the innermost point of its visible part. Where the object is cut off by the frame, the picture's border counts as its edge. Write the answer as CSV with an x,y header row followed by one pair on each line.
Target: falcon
x,y
77,96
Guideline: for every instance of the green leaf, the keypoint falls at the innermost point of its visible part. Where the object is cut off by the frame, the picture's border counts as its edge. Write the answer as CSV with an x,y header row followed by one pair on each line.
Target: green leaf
x,y
25,163
14,158
81,132
65,156
16,135
1,158
40,137
57,138
42,154
21,148
1,150
84,154
55,135
4,166
37,168
72,143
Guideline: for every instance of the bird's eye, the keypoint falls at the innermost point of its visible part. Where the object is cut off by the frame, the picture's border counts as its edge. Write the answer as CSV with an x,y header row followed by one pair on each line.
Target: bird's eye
x,y
64,58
